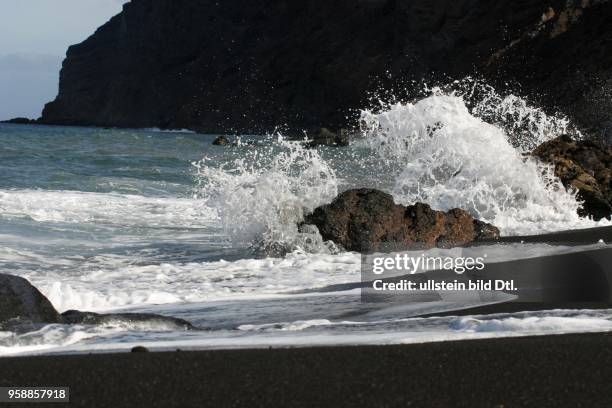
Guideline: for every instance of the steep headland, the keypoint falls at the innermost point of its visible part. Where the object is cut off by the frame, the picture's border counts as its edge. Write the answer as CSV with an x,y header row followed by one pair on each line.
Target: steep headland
x,y
251,66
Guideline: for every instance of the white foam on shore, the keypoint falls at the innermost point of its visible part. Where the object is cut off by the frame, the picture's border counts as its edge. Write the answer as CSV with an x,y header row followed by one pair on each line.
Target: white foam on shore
x,y
109,282
111,287
50,337
59,336
86,339
286,326
534,324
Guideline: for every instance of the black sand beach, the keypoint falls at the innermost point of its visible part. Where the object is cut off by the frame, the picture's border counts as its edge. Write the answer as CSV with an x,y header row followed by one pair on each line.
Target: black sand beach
x,y
548,371
571,237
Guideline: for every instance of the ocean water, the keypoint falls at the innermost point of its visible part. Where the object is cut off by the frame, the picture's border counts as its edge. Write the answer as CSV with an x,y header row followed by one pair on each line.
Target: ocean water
x,y
164,222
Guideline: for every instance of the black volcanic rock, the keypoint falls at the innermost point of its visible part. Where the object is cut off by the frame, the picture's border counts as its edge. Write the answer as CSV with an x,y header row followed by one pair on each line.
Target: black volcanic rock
x,y
366,219
585,166
21,303
243,66
21,121
77,317
221,141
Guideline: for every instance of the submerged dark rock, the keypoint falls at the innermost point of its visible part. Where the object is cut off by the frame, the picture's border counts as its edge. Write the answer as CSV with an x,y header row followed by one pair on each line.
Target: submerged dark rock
x,y
585,166
325,137
241,66
366,219
221,141
22,304
77,317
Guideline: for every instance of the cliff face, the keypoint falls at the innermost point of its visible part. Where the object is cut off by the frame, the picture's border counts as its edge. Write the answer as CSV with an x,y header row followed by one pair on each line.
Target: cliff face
x,y
244,66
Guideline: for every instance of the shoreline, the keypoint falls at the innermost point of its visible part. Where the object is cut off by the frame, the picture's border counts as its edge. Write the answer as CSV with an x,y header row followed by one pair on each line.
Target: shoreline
x,y
571,237
541,371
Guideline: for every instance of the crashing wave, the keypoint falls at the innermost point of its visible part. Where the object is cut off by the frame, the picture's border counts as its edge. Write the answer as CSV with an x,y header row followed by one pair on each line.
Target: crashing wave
x,y
450,157
262,196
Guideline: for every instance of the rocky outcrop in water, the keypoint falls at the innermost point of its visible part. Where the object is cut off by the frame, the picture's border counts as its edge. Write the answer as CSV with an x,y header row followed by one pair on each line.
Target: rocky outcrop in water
x,y
366,219
584,166
77,317
23,306
221,141
243,66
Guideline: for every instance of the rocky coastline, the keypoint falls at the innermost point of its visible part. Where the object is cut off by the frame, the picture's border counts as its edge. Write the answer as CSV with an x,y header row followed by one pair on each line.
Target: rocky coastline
x,y
238,67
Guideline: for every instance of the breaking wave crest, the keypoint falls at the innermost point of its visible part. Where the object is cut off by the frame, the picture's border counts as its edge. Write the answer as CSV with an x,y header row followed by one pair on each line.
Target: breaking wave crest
x,y
450,157
262,195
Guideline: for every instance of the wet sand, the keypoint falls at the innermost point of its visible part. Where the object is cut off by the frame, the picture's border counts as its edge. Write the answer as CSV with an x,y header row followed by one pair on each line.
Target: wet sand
x,y
547,371
570,237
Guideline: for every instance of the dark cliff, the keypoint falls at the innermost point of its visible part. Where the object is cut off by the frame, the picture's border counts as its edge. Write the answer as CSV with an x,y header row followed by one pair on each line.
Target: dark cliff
x,y
238,65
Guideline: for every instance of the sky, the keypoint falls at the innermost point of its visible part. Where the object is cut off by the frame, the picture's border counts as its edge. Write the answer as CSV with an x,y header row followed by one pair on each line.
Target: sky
x,y
34,37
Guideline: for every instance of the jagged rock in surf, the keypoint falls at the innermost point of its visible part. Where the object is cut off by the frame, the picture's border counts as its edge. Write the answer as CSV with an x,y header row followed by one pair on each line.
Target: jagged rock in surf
x,y
325,137
240,66
584,166
77,317
365,219
221,141
23,304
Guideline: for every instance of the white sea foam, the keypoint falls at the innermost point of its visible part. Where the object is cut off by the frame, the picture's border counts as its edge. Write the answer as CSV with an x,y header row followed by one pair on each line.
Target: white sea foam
x,y
526,126
263,195
100,287
48,337
108,208
58,336
109,282
534,324
286,326
322,332
450,158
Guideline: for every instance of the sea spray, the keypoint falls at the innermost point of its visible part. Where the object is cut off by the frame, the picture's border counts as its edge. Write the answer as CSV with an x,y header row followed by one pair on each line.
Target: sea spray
x,y
450,158
526,126
262,195
462,146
